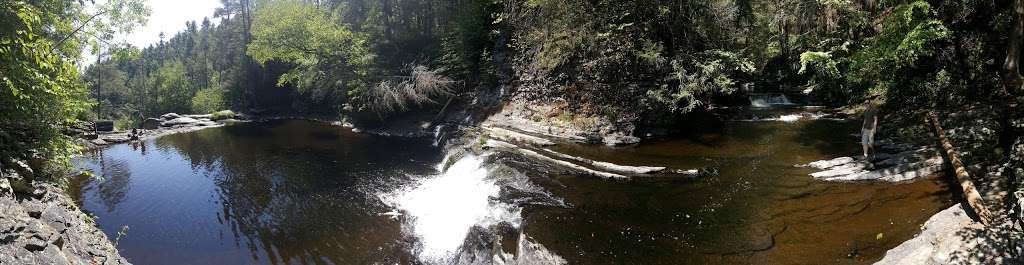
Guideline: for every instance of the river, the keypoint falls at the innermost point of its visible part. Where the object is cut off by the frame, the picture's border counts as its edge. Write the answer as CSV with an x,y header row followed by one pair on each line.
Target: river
x,y
303,192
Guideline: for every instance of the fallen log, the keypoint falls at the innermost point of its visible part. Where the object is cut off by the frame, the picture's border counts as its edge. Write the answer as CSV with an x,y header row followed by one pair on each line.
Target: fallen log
x,y
530,153
514,136
607,165
970,192
571,165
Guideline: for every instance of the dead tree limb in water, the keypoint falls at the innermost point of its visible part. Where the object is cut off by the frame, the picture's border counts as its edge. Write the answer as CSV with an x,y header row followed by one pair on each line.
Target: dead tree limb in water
x,y
971,194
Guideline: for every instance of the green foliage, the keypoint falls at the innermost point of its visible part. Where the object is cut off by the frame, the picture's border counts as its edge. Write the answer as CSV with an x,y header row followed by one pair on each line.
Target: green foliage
x,y
889,63
173,88
326,54
693,82
39,90
127,123
644,58
208,100
467,47
221,115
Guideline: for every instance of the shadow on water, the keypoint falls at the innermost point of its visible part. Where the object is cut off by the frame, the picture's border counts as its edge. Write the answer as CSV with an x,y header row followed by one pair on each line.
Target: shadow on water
x,y
298,192
759,209
256,193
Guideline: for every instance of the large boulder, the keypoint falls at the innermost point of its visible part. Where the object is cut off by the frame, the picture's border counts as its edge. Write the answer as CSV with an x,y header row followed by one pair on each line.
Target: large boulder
x,y
170,116
116,138
99,142
104,126
15,182
5,189
200,116
179,121
151,124
22,169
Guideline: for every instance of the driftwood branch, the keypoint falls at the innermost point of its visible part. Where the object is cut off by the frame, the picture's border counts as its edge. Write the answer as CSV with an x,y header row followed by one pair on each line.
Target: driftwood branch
x,y
79,28
970,192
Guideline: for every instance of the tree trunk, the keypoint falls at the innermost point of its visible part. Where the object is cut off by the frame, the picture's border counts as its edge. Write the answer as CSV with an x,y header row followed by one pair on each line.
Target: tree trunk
x,y
1011,65
970,192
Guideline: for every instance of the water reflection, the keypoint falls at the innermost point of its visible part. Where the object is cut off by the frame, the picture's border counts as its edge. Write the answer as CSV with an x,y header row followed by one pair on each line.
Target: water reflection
x,y
116,176
284,192
297,192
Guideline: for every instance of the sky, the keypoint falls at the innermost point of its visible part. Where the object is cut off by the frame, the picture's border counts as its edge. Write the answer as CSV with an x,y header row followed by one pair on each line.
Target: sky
x,y
169,16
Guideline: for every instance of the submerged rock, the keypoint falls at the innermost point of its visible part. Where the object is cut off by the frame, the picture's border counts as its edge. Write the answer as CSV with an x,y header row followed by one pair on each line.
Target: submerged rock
x,y
620,139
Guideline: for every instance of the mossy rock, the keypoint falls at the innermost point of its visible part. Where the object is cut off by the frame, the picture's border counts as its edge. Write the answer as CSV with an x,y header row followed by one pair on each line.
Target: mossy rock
x,y
222,115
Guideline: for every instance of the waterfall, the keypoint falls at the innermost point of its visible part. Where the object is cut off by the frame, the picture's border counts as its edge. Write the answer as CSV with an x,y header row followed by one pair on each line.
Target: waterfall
x,y
769,100
442,210
439,134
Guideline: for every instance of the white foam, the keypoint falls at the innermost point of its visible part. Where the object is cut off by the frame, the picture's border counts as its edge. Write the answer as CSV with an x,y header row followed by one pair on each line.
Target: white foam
x,y
789,118
442,209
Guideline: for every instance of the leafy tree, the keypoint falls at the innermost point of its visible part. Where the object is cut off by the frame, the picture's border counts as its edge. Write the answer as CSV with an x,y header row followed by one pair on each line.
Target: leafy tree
x,y
889,63
328,57
41,92
208,101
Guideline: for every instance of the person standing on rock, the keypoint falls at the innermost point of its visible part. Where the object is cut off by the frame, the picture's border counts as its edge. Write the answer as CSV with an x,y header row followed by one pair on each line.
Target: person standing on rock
x,y
867,132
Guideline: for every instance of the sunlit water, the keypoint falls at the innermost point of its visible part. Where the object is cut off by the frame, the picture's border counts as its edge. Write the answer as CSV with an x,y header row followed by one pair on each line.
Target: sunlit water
x,y
299,192
442,209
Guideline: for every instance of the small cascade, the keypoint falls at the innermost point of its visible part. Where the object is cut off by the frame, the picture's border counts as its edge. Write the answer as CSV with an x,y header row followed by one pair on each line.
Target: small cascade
x,y
442,211
439,134
769,100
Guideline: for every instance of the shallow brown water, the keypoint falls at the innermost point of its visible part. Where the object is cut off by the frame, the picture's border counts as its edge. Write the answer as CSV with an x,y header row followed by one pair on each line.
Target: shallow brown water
x,y
298,192
759,209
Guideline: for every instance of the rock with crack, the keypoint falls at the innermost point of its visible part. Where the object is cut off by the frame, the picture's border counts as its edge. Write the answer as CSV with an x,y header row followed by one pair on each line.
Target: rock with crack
x,y
491,143
568,164
514,136
607,165
937,241
49,229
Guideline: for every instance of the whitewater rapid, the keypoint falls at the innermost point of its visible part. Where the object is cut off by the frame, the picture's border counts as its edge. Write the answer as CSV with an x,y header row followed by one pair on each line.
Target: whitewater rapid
x,y
440,210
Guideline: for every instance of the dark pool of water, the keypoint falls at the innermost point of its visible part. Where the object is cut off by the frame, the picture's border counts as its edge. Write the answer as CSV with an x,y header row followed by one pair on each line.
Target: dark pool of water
x,y
759,209
299,192
281,192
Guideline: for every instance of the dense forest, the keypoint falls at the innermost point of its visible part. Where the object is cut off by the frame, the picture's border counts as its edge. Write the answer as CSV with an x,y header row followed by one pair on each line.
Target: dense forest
x,y
631,64
662,57
637,61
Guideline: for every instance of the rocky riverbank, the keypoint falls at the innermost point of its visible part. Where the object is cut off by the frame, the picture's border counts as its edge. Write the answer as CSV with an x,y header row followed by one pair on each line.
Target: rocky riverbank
x,y
40,224
169,123
954,235
553,120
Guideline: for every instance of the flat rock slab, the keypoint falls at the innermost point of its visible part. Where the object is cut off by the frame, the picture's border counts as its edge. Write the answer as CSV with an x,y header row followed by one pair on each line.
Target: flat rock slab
x,y
906,165
940,239
514,136
170,116
178,121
